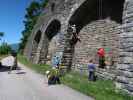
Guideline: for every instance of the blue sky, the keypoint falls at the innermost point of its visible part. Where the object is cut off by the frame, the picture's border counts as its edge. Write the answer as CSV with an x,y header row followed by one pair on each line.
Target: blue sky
x,y
12,14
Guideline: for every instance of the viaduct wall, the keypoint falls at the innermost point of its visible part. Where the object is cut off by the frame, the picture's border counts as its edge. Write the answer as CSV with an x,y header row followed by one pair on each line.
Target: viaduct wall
x,y
99,24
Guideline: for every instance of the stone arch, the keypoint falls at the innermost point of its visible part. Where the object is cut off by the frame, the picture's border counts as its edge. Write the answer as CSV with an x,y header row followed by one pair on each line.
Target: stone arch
x,y
38,37
51,39
104,11
35,44
53,28
92,10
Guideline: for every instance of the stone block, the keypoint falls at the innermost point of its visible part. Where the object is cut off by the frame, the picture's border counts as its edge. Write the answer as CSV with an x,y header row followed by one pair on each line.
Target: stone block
x,y
126,60
129,87
123,66
122,79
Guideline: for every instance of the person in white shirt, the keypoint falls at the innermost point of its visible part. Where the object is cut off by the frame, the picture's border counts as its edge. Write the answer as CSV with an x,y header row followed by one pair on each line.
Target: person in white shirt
x,y
13,59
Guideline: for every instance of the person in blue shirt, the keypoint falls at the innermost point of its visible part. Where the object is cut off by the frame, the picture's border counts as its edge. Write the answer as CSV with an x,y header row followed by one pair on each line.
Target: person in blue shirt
x,y
54,63
91,68
57,62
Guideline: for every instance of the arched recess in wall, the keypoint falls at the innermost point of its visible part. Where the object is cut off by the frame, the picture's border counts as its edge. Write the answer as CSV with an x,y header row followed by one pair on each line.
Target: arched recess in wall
x,y
94,10
52,29
35,44
52,39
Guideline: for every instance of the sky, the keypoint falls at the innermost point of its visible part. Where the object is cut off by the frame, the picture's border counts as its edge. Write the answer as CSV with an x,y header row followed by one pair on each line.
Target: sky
x,y
12,14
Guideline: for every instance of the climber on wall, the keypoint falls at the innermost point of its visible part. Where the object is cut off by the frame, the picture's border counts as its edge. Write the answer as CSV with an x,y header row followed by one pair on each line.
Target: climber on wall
x,y
75,38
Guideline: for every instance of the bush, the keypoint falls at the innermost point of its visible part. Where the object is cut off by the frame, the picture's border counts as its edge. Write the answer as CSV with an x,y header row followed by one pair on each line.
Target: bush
x,y
5,49
42,68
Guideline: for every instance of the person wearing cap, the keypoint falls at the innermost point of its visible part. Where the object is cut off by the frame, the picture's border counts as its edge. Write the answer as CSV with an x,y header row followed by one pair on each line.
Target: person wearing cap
x,y
53,76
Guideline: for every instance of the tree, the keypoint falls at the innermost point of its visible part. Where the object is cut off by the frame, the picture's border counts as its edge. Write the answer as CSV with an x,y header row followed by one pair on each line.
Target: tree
x,y
31,17
44,3
1,35
4,48
32,13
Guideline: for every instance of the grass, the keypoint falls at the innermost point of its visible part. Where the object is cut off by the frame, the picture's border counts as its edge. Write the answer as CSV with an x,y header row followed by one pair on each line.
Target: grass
x,y
100,90
40,68
2,56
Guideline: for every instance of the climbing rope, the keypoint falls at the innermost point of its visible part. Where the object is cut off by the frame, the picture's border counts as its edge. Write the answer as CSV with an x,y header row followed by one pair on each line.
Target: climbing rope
x,y
100,8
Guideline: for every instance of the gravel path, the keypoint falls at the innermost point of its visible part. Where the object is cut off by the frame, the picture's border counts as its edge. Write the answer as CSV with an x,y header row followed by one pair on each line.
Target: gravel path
x,y
25,84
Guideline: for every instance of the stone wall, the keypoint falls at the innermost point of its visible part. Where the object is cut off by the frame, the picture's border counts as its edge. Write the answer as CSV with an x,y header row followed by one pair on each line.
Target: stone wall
x,y
62,13
63,10
52,48
125,66
97,34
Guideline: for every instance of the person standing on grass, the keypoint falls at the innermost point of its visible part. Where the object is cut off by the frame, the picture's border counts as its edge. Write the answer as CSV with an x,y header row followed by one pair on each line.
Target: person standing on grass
x,y
101,54
91,68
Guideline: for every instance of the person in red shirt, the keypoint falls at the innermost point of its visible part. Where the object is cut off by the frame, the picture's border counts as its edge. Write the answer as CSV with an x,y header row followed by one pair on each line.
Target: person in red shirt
x,y
101,54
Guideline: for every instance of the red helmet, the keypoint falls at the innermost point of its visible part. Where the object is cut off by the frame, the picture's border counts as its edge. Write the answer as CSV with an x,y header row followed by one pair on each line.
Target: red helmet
x,y
101,52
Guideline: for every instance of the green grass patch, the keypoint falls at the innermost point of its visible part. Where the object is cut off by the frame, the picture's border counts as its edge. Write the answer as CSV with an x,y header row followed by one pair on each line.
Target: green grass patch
x,y
40,68
100,90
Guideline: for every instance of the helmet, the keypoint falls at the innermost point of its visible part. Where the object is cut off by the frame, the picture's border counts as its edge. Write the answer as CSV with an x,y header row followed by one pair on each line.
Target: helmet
x,y
47,72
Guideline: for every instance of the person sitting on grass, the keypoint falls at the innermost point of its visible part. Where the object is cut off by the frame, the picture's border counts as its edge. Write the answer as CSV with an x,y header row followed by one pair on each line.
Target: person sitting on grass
x,y
57,75
53,76
92,68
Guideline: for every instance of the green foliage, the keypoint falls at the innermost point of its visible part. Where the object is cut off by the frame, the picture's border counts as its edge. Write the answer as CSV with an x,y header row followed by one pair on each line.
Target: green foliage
x,y
100,90
32,13
1,34
44,3
31,17
5,49
39,68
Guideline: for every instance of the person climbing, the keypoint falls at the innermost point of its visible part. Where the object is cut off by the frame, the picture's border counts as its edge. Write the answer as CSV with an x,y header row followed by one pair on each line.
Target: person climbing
x,y
75,38
92,68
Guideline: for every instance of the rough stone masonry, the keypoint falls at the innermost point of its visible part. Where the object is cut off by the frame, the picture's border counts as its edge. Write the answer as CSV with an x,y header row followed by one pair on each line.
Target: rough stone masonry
x,y
125,65
99,23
